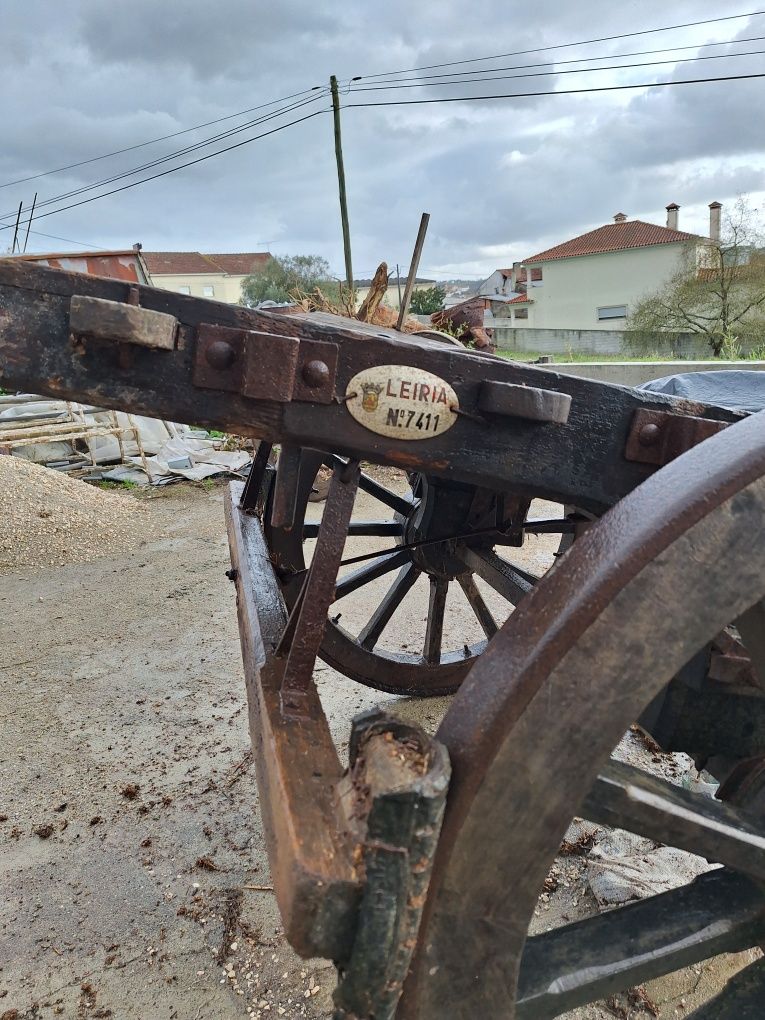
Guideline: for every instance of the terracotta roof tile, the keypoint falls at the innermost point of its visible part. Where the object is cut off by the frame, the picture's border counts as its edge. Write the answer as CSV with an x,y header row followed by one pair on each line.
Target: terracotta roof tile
x,y
614,237
180,263
521,299
240,263
171,263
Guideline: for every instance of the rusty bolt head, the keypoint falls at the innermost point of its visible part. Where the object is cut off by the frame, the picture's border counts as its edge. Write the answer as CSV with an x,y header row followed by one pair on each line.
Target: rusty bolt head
x,y
649,434
315,374
220,355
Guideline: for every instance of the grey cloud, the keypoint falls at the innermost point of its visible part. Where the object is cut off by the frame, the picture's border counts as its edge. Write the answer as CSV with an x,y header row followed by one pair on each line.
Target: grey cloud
x,y
96,77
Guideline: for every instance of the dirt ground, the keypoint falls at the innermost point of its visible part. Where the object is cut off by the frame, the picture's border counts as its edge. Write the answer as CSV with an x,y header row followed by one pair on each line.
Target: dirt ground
x,y
134,877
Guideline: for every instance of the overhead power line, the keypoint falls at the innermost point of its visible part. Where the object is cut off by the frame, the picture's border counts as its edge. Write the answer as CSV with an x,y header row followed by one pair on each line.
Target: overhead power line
x,y
583,60
69,240
177,153
554,92
569,45
543,74
172,170
161,138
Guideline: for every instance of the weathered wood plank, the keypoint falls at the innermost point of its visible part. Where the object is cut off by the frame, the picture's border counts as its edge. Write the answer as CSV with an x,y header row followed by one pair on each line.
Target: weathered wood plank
x,y
581,462
720,912
627,798
315,880
394,798
120,323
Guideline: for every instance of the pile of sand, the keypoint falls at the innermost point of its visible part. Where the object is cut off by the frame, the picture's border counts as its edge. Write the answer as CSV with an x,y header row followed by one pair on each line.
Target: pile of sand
x,y
48,519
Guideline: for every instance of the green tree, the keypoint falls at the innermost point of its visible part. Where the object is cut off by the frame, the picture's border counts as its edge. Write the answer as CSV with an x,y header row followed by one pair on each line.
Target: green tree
x,y
717,292
427,300
288,278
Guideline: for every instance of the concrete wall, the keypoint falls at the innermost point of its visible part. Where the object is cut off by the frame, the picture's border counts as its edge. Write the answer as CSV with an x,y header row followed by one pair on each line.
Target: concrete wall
x,y
587,341
633,373
225,288
573,289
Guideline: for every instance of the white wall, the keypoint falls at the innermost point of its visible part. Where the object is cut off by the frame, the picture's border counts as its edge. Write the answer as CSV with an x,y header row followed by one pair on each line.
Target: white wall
x,y
225,288
573,289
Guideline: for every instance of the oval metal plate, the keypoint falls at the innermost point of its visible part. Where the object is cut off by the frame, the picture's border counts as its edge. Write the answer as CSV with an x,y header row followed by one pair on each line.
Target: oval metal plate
x,y
401,402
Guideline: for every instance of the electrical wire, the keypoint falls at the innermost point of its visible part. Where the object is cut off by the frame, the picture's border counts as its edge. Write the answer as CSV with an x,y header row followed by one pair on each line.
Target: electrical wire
x,y
543,74
585,60
69,240
562,46
175,155
172,170
161,138
553,92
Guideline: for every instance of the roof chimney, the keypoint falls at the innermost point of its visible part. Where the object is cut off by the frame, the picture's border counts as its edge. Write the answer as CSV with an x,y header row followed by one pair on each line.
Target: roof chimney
x,y
620,217
672,210
715,211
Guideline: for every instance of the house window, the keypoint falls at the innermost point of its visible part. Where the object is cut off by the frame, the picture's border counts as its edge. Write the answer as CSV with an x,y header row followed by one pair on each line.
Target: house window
x,y
612,312
208,291
521,313
184,290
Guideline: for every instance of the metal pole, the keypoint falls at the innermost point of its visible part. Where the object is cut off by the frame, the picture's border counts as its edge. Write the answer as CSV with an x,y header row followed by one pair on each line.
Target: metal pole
x,y
29,221
398,283
414,266
341,183
16,231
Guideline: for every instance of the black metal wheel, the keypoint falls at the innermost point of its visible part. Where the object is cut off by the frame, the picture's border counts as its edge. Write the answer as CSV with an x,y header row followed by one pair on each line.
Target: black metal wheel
x,y
635,625
445,532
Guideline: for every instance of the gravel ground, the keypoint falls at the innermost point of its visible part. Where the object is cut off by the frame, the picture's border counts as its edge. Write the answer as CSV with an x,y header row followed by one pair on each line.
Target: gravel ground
x,y
134,879
48,519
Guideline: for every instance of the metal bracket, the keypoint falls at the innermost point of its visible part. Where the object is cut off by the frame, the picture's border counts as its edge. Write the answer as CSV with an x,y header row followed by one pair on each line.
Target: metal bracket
x,y
265,366
527,402
657,437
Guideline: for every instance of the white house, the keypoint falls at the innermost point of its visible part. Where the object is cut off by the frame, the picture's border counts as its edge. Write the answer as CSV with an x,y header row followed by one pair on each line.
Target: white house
x,y
218,276
590,281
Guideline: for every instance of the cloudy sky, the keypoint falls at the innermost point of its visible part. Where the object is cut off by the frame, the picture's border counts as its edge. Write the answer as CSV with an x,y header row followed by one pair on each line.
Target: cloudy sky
x,y
501,179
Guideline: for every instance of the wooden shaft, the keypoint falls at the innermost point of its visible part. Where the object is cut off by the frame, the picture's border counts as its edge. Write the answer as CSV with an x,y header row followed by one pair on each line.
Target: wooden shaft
x,y
414,266
341,183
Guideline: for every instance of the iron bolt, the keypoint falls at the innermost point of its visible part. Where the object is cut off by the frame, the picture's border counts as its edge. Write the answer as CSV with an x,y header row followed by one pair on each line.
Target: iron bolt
x,y
220,355
649,435
232,574
315,374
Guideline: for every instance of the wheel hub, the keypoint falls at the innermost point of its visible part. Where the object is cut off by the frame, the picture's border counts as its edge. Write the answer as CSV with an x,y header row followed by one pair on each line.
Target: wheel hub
x,y
442,512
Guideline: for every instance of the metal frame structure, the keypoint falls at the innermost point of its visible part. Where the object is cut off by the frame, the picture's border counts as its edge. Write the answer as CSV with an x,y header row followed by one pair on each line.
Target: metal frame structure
x,y
655,614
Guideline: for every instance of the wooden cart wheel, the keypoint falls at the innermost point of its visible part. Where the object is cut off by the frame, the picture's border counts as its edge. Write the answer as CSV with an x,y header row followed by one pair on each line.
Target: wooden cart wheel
x,y
530,734
428,515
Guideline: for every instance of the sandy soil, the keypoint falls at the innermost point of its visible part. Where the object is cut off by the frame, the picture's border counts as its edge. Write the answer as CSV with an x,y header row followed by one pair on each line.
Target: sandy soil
x,y
131,840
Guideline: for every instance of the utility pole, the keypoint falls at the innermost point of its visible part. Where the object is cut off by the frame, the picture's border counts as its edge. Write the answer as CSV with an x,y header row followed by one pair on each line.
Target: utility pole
x,y
341,183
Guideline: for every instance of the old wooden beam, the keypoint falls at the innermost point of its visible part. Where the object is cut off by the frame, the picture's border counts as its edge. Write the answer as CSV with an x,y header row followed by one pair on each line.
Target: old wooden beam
x,y
581,461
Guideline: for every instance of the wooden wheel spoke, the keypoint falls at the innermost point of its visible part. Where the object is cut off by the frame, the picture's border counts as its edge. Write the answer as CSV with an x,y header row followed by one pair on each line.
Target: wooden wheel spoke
x,y
401,504
627,798
369,572
720,912
435,628
395,595
477,604
382,529
510,581
741,999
